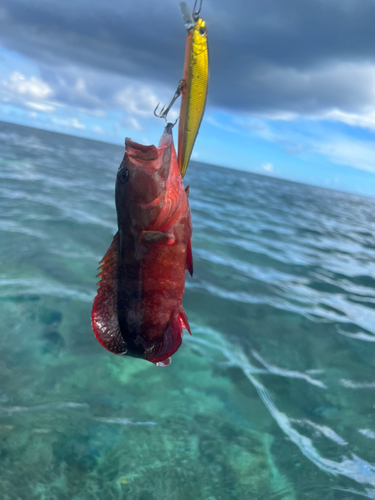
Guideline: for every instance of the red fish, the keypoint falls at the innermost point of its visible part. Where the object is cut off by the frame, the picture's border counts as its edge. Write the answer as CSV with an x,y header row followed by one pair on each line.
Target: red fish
x,y
138,308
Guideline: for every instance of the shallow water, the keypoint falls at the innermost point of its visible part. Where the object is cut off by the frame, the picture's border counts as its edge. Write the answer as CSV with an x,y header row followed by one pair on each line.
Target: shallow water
x,y
273,396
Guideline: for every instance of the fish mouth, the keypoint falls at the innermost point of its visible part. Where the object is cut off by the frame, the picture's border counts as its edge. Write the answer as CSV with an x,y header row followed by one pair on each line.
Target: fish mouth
x,y
140,152
148,153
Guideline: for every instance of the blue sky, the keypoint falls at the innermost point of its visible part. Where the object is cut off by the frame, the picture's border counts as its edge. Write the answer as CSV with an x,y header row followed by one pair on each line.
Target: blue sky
x,y
292,89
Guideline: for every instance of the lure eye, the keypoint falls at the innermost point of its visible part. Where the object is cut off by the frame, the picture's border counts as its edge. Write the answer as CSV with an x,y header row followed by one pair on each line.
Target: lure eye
x,y
124,176
202,30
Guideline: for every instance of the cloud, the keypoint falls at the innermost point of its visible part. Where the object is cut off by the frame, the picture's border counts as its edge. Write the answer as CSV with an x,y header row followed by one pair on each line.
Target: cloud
x,y
337,148
95,93
267,167
69,122
26,92
313,91
31,87
72,93
98,130
278,59
364,120
136,101
349,152
38,106
131,123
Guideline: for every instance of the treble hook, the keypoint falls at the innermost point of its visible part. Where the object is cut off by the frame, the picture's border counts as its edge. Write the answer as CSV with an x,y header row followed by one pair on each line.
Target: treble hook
x,y
164,112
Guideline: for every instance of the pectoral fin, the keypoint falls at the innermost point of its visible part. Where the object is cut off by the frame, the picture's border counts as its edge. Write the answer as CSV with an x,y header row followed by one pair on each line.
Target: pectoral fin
x,y
189,258
155,238
183,320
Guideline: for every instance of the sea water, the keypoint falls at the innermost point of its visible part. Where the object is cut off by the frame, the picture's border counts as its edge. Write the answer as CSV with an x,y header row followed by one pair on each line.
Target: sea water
x,y
272,397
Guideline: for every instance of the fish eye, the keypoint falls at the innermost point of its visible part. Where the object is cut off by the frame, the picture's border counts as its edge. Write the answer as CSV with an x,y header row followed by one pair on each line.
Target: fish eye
x,y
124,176
202,30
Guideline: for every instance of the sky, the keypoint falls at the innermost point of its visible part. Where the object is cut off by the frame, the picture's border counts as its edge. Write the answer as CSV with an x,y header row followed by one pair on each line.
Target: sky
x,y
292,84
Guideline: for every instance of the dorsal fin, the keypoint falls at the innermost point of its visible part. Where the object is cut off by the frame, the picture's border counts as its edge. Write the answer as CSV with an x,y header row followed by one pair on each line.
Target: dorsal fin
x,y
104,315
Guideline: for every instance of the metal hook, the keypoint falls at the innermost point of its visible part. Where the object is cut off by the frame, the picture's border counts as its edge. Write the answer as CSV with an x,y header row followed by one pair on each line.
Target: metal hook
x,y
196,12
170,125
164,112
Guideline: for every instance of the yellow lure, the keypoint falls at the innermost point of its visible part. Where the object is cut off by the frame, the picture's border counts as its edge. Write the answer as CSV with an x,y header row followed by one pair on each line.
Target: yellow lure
x,y
193,92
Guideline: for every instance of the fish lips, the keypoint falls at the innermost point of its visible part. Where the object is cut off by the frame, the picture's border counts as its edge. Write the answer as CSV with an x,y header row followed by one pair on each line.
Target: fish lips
x,y
148,157
140,153
144,183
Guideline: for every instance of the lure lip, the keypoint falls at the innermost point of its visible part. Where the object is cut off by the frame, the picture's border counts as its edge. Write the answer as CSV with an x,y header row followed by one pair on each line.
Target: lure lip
x,y
187,17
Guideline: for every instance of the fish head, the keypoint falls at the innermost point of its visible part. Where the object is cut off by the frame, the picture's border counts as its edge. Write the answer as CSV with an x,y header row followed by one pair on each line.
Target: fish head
x,y
141,182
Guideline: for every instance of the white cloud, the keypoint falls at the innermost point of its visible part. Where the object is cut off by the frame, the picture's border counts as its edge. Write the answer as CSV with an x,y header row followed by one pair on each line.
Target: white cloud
x,y
349,152
267,167
76,124
27,92
68,122
30,87
130,122
363,120
38,106
98,130
141,102
223,125
80,85
338,148
134,124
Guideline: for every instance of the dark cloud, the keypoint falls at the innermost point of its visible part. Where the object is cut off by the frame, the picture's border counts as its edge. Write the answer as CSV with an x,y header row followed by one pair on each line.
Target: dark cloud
x,y
268,56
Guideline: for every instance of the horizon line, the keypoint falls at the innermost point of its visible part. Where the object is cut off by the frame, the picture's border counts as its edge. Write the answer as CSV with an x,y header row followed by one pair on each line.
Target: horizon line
x,y
196,161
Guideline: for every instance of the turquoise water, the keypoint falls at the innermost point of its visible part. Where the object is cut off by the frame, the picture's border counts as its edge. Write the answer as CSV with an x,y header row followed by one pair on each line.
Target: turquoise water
x,y
273,396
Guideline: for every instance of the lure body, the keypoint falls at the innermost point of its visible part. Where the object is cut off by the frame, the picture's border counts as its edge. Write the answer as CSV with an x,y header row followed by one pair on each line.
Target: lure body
x,y
194,90
137,311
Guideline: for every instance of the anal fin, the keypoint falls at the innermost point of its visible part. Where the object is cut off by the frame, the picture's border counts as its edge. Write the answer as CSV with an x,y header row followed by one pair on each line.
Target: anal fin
x,y
171,340
104,315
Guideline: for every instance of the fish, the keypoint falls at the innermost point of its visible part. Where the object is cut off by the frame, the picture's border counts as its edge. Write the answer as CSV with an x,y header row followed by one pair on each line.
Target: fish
x,y
193,86
138,307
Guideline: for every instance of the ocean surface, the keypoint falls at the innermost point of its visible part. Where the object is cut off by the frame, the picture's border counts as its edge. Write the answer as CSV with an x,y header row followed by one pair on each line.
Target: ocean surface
x,y
271,398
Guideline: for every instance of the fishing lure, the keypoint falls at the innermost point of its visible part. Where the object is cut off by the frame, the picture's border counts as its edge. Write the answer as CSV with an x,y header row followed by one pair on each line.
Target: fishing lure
x,y
193,87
